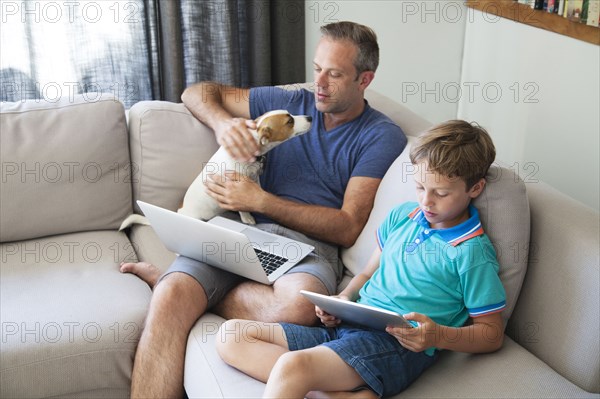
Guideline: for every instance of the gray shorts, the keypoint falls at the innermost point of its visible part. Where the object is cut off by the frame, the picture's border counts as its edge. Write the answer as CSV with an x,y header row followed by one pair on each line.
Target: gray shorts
x,y
323,263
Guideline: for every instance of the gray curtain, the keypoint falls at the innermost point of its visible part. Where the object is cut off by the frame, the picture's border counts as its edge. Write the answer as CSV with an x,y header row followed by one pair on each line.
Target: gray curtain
x,y
243,42
148,49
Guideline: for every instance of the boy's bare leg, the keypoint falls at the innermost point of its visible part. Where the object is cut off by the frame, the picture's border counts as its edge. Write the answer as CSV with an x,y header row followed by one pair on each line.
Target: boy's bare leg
x,y
299,372
177,302
362,394
252,347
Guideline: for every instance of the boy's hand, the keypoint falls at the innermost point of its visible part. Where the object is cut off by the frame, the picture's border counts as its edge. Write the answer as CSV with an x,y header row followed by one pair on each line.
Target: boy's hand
x,y
327,319
419,338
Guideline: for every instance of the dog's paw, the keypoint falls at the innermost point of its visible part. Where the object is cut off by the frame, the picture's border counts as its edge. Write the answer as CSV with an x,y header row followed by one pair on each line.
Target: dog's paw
x,y
247,218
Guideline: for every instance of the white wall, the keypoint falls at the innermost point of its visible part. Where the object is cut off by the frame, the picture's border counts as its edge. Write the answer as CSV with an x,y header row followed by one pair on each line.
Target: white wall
x,y
546,121
420,43
537,92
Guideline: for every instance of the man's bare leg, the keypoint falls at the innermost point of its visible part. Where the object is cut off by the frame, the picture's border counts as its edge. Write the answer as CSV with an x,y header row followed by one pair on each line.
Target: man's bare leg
x,y
254,301
146,271
280,302
177,302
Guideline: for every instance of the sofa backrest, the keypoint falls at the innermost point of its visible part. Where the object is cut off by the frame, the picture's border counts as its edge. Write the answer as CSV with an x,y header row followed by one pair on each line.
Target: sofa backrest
x,y
169,148
65,166
557,317
411,123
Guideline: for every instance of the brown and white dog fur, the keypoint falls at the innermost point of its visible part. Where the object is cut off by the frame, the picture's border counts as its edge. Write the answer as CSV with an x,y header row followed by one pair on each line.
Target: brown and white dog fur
x,y
272,129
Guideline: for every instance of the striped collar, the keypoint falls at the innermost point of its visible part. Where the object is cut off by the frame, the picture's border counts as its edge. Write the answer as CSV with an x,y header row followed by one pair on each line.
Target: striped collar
x,y
454,235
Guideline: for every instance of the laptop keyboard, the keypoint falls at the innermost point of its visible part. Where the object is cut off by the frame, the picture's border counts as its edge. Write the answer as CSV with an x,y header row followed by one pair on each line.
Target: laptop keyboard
x,y
269,261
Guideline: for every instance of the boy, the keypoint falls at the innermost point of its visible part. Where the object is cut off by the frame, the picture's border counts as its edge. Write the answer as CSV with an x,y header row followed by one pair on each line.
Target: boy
x,y
433,263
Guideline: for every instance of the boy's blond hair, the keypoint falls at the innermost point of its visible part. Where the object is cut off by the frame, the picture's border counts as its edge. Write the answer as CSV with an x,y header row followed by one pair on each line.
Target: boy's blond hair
x,y
456,149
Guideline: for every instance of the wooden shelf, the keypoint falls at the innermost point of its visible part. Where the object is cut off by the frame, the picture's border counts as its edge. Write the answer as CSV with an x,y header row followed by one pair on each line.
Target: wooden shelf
x,y
523,13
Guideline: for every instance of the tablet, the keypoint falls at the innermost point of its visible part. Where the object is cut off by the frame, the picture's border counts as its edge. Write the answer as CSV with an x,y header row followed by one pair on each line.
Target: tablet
x,y
357,313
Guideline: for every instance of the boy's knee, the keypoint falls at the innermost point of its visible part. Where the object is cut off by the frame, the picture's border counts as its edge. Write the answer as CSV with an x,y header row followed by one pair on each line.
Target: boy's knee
x,y
297,363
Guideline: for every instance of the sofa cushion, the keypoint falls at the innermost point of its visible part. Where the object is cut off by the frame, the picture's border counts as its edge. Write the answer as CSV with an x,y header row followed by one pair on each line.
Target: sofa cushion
x,y
70,320
65,167
205,374
395,188
504,212
169,148
503,209
512,372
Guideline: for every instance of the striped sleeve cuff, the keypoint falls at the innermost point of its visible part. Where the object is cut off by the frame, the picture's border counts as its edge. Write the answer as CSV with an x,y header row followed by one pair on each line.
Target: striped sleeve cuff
x,y
379,239
486,310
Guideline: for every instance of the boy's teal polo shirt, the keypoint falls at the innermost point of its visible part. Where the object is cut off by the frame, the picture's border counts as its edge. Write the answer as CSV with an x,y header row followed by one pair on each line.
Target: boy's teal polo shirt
x,y
445,274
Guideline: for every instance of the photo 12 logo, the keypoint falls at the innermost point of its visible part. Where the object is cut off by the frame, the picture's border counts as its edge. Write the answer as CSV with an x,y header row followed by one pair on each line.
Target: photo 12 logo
x,y
69,331
67,172
451,11
53,92
53,252
71,11
471,92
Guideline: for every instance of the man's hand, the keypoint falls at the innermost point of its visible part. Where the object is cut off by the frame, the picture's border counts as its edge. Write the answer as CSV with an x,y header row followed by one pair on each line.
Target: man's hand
x,y
235,192
219,107
233,134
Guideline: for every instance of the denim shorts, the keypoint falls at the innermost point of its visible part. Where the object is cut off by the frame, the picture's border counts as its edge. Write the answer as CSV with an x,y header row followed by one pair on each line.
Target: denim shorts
x,y
323,263
385,366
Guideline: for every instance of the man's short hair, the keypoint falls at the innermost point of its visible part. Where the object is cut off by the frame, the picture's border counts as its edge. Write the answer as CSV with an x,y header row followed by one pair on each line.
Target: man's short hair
x,y
456,149
362,36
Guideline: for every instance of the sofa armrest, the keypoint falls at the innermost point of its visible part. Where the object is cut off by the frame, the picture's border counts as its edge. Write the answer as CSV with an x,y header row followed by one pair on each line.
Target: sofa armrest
x,y
557,315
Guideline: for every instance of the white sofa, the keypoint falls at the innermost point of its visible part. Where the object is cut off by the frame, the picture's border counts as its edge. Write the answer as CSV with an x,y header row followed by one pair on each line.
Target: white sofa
x,y
71,171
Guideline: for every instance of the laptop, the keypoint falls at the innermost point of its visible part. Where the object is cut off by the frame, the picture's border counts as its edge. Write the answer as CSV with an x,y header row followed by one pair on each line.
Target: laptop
x,y
227,244
357,313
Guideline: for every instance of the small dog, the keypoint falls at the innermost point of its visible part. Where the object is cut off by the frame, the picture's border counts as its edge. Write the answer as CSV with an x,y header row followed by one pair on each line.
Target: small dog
x,y
272,129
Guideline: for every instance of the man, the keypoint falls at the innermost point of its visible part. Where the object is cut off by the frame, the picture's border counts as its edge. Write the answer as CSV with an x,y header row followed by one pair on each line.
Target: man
x,y
318,188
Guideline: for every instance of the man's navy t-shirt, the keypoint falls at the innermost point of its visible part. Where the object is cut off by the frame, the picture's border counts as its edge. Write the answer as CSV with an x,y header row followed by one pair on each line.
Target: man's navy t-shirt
x,y
315,168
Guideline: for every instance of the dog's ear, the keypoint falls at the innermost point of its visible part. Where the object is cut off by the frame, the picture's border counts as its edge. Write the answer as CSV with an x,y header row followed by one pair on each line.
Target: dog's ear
x,y
265,135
